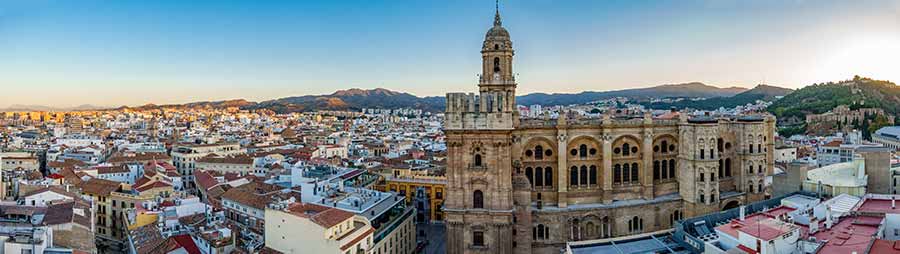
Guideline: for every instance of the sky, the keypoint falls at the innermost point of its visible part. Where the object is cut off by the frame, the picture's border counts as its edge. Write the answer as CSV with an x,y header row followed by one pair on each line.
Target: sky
x,y
66,53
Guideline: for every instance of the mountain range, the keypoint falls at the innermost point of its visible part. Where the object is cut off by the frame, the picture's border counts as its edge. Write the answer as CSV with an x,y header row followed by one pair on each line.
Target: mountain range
x,y
760,92
357,99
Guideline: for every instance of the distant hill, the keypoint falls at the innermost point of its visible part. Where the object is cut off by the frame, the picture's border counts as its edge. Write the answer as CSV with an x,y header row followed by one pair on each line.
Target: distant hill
x,y
200,104
19,107
352,99
689,90
819,98
760,92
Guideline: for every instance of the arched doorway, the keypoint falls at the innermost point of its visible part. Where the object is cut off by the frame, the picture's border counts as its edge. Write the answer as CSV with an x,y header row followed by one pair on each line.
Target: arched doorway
x,y
731,204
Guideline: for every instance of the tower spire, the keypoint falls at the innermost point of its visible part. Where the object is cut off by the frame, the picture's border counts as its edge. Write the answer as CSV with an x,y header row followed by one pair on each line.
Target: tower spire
x,y
497,15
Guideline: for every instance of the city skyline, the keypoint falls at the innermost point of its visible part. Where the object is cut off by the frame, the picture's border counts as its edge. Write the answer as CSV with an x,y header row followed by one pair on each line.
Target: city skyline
x,y
64,54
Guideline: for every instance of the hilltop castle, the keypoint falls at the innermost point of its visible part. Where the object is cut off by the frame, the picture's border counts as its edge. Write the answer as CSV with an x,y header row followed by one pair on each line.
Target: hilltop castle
x,y
530,185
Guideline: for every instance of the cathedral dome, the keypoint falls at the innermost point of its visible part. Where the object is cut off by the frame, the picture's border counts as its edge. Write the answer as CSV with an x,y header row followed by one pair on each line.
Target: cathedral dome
x,y
497,31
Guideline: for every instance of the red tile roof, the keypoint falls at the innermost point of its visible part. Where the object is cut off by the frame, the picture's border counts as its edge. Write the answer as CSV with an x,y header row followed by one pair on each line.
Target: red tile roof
x,y
881,206
885,246
157,184
204,179
187,243
324,216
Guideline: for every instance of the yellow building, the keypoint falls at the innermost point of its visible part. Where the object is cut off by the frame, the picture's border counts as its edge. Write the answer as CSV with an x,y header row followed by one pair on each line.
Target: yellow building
x,y
406,182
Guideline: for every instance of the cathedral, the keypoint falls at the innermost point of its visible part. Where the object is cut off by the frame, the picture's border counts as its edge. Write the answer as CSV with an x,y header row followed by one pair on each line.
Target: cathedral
x,y
519,185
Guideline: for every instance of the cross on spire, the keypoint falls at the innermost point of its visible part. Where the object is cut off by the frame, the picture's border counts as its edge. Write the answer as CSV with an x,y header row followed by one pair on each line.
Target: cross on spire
x,y
497,15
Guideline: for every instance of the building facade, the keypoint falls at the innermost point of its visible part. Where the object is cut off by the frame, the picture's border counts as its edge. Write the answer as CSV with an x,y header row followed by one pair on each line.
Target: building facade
x,y
530,185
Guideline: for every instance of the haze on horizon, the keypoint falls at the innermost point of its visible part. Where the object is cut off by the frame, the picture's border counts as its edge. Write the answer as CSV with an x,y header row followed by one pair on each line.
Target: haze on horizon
x,y
109,53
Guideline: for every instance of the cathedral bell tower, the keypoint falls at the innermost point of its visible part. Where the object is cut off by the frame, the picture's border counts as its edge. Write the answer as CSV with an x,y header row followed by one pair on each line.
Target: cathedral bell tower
x,y
496,81
478,127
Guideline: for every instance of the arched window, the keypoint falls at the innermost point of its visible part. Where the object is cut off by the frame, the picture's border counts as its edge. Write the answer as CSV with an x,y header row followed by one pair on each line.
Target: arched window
x,y
584,175
496,46
626,171
540,230
548,176
728,167
702,197
634,172
573,176
702,154
496,65
656,175
750,186
672,168
593,174
720,144
634,225
582,150
478,199
478,160
530,175
538,177
625,150
664,146
750,168
617,173
750,147
760,168
712,197
760,186
538,153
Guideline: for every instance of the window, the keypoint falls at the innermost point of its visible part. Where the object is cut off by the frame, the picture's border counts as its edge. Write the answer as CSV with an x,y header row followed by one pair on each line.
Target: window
x,y
573,176
478,160
538,177
539,153
593,176
478,239
634,172
478,199
548,176
635,225
496,65
728,167
702,154
664,146
529,174
582,150
656,175
625,150
617,173
626,170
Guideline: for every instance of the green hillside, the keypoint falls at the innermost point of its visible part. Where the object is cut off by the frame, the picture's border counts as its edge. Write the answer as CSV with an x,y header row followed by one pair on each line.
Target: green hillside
x,y
820,98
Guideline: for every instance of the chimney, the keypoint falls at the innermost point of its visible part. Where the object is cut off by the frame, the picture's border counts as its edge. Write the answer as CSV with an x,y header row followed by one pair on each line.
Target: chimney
x,y
828,220
742,213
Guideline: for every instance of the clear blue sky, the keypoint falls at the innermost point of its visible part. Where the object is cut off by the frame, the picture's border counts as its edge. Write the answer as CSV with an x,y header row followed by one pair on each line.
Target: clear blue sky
x,y
101,52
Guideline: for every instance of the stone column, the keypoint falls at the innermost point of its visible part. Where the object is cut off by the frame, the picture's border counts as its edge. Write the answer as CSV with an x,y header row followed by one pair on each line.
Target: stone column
x,y
607,167
562,168
647,161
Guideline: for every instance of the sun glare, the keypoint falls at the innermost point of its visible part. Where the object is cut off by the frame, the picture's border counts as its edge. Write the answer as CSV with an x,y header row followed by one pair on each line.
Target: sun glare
x,y
876,57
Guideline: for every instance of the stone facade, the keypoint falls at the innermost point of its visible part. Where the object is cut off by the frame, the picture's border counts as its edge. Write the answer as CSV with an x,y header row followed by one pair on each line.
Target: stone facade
x,y
530,185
